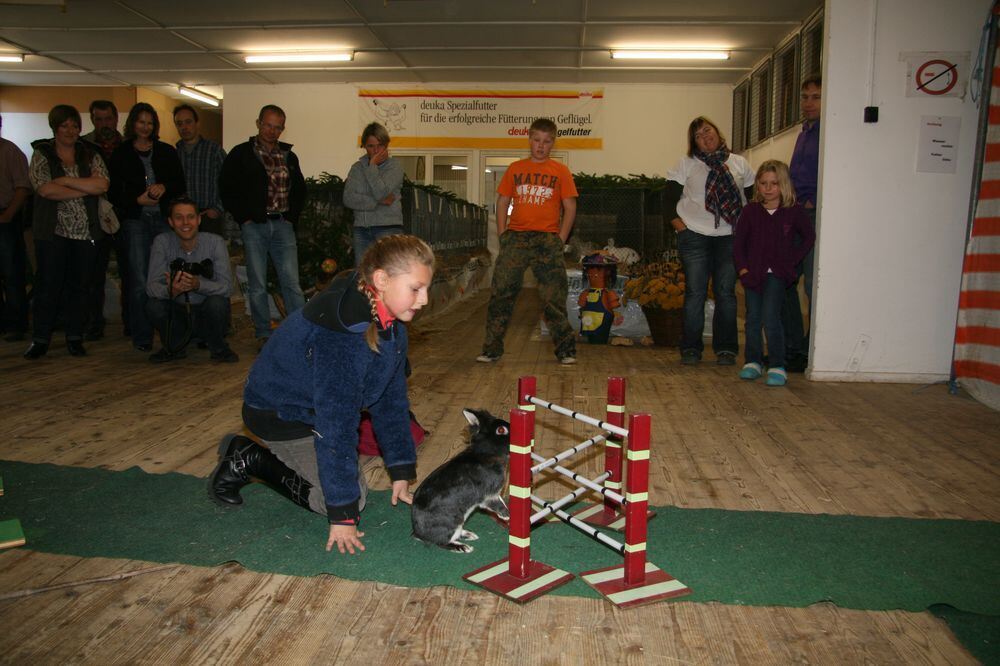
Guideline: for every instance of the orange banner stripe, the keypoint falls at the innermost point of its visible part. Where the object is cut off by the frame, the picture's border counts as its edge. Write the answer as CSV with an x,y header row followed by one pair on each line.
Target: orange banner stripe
x,y
977,335
978,370
979,300
986,226
990,189
517,143
994,115
982,263
518,94
992,150
996,76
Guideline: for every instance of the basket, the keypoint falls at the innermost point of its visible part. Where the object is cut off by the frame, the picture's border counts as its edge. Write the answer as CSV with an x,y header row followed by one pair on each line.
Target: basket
x,y
665,326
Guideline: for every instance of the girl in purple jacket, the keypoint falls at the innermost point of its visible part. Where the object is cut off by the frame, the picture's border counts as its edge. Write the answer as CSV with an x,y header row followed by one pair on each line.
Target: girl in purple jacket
x,y
772,237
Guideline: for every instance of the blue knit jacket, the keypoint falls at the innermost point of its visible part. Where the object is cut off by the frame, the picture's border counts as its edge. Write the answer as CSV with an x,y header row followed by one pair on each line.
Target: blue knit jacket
x,y
317,369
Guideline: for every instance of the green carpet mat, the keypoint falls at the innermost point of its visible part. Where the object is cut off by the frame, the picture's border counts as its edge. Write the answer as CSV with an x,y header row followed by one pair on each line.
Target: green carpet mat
x,y
980,634
734,557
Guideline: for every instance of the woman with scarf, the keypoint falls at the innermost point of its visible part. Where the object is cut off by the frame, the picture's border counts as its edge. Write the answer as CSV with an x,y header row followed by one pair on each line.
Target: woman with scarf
x,y
710,187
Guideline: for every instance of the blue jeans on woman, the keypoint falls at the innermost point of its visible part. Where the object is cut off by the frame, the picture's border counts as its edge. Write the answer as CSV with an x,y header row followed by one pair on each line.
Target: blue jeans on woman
x,y
139,235
704,256
764,310
364,237
274,238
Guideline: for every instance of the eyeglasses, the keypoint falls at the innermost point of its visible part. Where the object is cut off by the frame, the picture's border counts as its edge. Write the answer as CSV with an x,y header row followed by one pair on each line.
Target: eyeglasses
x,y
269,126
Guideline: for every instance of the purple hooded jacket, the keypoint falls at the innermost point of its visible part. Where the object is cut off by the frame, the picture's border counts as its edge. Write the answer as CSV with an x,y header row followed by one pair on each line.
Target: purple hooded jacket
x,y
763,241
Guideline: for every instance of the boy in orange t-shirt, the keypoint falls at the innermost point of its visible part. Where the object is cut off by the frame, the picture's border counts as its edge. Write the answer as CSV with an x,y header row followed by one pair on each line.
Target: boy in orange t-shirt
x,y
533,237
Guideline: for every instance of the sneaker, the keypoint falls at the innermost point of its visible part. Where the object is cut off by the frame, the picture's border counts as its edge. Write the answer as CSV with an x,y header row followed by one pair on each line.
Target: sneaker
x,y
690,357
776,377
164,356
487,358
568,359
227,355
751,371
725,358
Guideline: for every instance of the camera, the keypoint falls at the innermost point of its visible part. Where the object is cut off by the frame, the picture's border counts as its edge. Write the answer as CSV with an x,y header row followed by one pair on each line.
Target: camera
x,y
201,268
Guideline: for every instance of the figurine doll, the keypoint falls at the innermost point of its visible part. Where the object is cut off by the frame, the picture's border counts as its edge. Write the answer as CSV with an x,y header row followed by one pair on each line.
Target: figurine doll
x,y
599,302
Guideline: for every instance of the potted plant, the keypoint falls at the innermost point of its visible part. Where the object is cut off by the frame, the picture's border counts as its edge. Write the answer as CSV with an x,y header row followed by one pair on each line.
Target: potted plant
x,y
659,290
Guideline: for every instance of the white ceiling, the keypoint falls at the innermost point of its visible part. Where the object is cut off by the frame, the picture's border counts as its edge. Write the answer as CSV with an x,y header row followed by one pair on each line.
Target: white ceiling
x,y
163,43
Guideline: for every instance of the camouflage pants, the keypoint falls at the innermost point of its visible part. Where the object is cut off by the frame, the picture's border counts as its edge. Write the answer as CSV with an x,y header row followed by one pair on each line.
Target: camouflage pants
x,y
542,252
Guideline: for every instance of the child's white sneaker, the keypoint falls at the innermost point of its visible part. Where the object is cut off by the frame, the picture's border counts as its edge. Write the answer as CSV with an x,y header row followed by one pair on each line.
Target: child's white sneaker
x,y
776,377
751,371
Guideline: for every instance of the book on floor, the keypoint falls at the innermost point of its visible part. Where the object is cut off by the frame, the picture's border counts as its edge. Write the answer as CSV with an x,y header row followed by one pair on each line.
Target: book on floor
x,y
11,534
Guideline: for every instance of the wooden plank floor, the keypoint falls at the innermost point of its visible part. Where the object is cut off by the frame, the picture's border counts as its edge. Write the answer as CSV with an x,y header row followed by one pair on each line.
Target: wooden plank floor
x,y
863,449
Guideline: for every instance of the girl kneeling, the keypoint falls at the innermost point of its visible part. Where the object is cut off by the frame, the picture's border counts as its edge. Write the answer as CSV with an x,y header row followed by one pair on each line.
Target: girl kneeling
x,y
772,237
343,352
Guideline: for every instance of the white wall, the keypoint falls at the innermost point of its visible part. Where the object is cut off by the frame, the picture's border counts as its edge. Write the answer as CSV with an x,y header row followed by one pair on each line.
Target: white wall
x,y
890,250
777,147
644,126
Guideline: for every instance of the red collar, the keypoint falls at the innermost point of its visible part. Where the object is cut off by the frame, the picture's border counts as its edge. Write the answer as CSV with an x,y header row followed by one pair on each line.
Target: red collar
x,y
385,317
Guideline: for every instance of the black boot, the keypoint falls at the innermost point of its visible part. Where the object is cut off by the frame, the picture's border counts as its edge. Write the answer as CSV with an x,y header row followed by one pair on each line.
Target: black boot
x,y
242,458
36,350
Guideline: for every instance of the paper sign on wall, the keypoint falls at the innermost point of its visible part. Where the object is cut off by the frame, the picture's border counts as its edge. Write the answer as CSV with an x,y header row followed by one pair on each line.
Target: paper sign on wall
x,y
937,147
936,73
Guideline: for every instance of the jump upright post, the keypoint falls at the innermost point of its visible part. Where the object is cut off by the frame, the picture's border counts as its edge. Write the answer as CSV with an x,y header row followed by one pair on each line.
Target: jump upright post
x,y
519,578
636,581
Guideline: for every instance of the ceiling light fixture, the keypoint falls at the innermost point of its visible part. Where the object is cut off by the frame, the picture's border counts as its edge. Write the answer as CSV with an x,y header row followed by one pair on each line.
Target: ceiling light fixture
x,y
671,54
299,57
11,57
198,95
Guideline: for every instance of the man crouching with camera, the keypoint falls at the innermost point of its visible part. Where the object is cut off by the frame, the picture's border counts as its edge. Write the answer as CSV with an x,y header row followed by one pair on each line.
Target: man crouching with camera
x,y
189,283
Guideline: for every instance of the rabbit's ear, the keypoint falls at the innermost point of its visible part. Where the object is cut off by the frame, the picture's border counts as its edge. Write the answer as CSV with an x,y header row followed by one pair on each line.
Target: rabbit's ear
x,y
472,417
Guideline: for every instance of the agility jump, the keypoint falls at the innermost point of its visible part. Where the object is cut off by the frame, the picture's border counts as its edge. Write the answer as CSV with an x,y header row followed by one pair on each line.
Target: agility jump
x,y
634,583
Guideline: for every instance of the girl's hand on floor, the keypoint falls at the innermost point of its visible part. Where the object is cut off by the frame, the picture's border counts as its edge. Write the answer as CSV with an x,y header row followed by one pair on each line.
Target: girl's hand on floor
x,y
347,538
401,491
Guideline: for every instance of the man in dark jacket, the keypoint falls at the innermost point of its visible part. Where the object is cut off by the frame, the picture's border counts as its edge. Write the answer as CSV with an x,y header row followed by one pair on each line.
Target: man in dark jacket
x,y
263,188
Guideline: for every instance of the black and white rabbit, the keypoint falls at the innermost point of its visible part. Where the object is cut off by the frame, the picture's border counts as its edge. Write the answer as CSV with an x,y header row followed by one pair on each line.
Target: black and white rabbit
x,y
472,479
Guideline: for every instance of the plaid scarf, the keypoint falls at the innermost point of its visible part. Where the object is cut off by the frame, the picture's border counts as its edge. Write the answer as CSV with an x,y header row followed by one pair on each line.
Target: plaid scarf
x,y
722,196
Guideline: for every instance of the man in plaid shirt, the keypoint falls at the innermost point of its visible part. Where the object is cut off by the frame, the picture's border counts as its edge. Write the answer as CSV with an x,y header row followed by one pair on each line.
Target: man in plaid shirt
x,y
202,161
263,188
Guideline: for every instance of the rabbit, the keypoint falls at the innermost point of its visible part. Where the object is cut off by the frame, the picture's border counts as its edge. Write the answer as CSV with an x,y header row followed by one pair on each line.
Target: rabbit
x,y
472,479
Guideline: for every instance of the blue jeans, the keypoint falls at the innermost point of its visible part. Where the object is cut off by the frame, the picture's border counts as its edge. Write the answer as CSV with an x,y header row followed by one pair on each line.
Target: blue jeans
x,y
366,236
701,257
139,235
274,238
12,267
764,310
95,307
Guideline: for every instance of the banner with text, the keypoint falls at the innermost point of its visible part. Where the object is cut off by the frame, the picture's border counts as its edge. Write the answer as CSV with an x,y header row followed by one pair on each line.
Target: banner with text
x,y
489,119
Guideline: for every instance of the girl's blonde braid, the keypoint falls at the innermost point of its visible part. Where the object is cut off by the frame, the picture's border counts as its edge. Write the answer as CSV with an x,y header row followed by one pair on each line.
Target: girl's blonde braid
x,y
371,334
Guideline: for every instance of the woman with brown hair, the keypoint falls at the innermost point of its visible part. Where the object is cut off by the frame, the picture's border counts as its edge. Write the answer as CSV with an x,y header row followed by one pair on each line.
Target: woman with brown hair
x,y
69,178
146,175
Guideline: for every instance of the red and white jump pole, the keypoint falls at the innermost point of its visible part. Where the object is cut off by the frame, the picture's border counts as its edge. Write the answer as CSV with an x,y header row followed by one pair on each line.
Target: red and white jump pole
x,y
520,578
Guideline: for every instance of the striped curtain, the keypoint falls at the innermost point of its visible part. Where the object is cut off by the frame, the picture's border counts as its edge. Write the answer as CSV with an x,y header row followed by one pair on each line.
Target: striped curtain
x,y
977,336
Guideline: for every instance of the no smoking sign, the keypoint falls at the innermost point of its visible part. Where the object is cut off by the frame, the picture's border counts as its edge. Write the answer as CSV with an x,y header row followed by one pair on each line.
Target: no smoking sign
x,y
936,74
